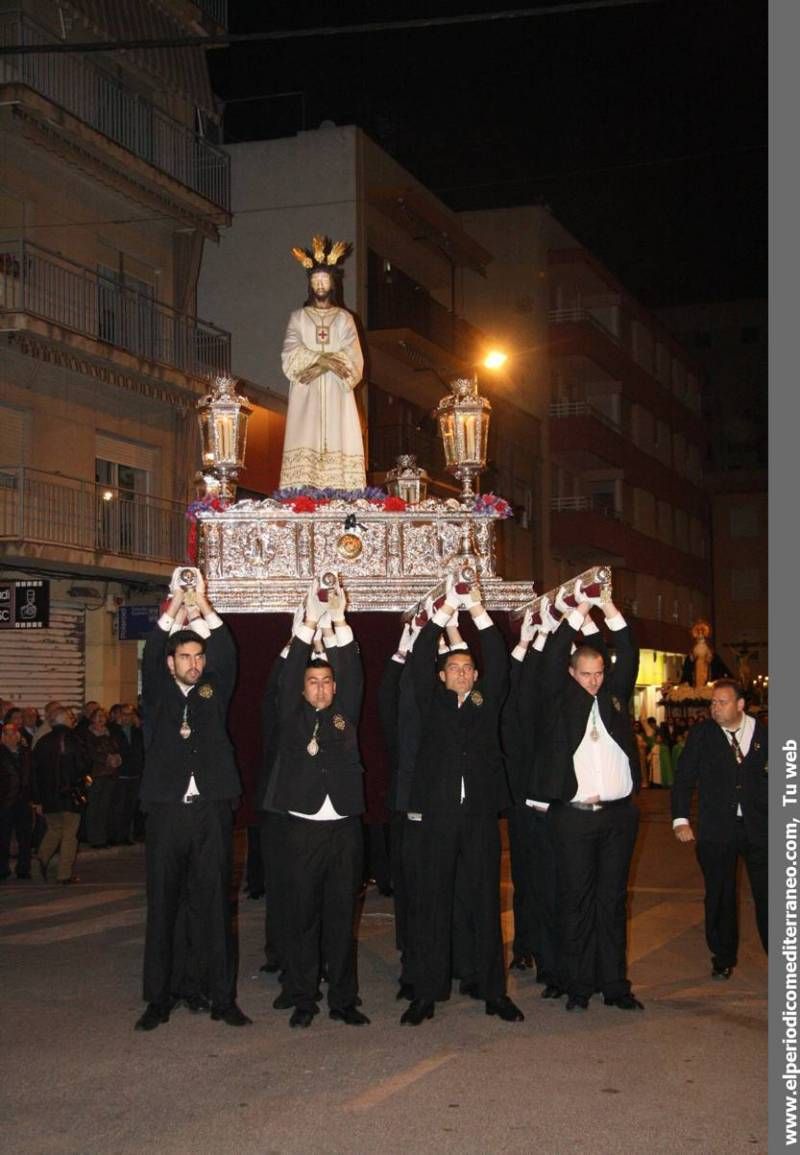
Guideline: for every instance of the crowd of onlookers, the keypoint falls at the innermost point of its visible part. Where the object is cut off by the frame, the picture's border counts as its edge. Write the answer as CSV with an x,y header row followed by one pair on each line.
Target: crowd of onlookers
x,y
67,777
661,744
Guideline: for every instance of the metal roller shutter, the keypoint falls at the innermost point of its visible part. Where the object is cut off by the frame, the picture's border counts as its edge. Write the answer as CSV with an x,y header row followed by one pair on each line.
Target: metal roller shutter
x,y
38,666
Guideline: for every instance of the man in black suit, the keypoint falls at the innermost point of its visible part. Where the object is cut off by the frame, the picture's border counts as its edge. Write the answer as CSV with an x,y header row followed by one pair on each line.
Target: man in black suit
x,y
319,786
725,757
457,790
189,789
586,769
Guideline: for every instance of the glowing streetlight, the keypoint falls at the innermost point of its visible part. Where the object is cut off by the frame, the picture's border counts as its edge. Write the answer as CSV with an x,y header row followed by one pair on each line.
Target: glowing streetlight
x,y
494,359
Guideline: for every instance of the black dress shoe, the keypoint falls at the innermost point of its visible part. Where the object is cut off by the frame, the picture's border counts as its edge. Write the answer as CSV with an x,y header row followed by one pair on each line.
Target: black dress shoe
x,y
577,1003
301,1018
468,987
197,1004
625,1003
507,1010
283,1001
406,992
718,972
24,875
256,894
231,1015
552,991
153,1017
417,1012
350,1015
271,966
73,878
522,962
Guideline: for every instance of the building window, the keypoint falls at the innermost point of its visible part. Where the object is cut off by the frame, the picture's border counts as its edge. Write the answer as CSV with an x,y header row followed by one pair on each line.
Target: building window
x,y
744,520
744,585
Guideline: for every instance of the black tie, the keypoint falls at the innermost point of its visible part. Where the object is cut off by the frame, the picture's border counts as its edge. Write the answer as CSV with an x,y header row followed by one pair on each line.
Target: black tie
x,y
738,755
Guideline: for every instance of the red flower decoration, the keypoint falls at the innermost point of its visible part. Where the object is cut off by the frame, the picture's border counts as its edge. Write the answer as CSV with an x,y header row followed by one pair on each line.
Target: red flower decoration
x,y
394,504
304,505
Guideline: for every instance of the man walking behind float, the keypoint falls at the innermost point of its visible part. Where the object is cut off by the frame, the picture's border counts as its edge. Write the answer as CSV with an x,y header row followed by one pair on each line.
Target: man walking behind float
x,y
725,757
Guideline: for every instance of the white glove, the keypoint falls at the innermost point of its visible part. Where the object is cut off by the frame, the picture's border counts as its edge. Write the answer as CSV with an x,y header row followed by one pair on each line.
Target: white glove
x,y
314,607
561,602
406,643
581,596
299,617
336,603
527,631
325,622
413,634
547,623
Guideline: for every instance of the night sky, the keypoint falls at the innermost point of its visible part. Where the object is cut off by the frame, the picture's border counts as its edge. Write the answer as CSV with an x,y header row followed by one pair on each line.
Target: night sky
x,y
644,128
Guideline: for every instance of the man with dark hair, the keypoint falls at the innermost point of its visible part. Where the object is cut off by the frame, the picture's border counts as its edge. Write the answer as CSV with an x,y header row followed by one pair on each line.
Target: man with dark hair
x,y
725,758
319,786
189,789
457,790
587,770
322,359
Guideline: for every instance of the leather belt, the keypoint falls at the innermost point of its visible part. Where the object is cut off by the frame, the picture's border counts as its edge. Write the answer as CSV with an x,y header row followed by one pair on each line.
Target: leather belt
x,y
600,805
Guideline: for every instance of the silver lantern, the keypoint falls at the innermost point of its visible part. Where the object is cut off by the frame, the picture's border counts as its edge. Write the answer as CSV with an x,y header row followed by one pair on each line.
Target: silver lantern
x,y
223,416
407,480
464,425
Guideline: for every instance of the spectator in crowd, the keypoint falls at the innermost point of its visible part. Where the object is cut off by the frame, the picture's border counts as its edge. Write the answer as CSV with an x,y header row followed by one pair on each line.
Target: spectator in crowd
x,y
16,817
50,711
127,733
57,782
30,724
105,760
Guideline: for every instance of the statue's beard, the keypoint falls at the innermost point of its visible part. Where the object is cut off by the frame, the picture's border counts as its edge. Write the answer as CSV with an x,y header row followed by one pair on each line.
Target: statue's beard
x,y
321,300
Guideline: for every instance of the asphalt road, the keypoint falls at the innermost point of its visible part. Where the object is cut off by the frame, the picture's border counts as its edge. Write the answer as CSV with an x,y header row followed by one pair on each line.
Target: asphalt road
x,y
688,1074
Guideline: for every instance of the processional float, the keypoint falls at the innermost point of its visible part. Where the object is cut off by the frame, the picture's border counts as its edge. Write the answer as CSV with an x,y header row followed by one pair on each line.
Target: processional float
x,y
391,550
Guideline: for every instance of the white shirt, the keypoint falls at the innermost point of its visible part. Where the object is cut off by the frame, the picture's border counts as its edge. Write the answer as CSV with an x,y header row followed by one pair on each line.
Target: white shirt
x,y
601,765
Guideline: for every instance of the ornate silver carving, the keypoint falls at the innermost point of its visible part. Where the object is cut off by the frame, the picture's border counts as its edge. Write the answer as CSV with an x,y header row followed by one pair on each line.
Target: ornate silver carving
x,y
270,553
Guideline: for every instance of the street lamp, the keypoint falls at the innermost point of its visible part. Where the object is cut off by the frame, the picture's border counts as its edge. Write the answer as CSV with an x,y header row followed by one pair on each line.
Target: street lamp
x,y
223,416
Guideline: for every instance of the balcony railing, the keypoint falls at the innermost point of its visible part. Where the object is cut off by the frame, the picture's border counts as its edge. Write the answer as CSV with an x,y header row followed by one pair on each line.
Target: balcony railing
x,y
217,10
35,280
597,504
568,316
52,510
116,111
581,409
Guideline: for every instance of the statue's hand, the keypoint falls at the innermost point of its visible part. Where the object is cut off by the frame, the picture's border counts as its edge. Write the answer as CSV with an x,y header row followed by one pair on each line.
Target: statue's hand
x,y
310,373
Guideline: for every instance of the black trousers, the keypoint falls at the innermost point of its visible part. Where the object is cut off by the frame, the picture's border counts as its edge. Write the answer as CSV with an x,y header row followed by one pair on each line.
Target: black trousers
x,y
16,819
718,862
188,855
533,872
397,829
123,808
593,850
445,843
273,858
522,876
323,869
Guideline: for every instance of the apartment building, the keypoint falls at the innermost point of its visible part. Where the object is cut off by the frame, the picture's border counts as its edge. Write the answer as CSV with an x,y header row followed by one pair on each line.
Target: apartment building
x,y
625,438
729,339
110,187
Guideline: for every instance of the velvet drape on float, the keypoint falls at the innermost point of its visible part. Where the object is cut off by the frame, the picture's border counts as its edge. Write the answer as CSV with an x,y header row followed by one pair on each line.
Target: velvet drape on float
x,y
260,639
